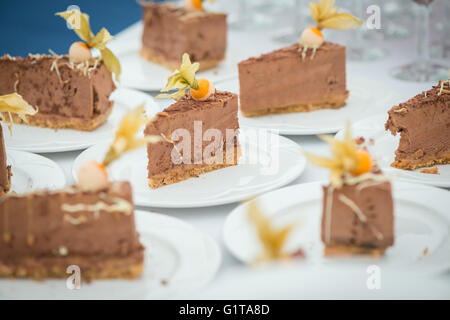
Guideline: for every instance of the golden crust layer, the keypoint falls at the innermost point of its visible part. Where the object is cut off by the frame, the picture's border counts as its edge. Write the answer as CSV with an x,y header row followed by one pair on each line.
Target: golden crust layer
x,y
175,64
61,122
412,164
55,267
335,103
340,250
179,173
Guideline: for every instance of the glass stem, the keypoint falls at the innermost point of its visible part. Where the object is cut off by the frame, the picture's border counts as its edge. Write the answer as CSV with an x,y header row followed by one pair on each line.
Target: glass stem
x,y
423,35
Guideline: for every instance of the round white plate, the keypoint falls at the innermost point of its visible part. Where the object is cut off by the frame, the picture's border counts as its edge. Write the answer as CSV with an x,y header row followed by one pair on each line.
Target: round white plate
x,y
43,140
179,259
33,172
141,74
422,222
366,98
383,150
266,164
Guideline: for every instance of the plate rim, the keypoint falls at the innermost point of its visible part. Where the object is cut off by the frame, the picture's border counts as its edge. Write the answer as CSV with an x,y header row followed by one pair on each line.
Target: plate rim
x,y
217,202
55,167
63,147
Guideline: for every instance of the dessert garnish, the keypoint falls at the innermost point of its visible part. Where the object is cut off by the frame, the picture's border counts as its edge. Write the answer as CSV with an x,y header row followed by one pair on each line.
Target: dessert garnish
x,y
14,103
273,239
326,16
195,5
93,175
347,161
183,79
80,52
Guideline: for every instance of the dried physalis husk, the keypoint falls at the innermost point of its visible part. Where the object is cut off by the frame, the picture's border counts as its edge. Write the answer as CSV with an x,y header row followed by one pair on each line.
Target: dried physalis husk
x,y
182,79
346,158
327,16
272,239
80,23
14,103
125,138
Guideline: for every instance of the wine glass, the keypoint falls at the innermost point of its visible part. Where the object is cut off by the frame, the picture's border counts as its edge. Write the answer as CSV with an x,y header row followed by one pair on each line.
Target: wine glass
x,y
423,69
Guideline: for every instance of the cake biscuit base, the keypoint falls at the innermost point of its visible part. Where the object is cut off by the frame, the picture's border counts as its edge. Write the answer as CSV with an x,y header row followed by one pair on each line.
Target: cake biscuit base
x,y
61,122
341,250
180,173
175,64
430,161
336,103
55,267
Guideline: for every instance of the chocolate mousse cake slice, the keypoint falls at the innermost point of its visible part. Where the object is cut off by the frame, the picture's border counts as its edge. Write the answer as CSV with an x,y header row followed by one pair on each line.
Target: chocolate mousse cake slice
x,y
45,232
68,95
306,76
171,30
358,218
424,126
358,210
5,170
172,161
284,82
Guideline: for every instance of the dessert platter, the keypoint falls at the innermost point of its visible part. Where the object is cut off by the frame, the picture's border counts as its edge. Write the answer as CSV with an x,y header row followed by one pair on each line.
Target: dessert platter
x,y
184,168
367,98
89,229
150,49
216,143
359,214
74,94
411,142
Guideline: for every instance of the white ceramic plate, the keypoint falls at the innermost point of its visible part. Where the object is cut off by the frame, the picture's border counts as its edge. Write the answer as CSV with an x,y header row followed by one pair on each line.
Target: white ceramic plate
x,y
383,150
422,222
179,259
139,73
33,172
366,98
43,140
265,165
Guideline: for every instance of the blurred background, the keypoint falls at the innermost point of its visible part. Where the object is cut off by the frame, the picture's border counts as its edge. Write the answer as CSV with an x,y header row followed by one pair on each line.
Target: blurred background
x,y
419,27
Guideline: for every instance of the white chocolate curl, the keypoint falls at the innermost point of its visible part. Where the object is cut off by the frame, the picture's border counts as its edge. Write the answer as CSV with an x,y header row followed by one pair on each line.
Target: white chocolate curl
x,y
79,53
92,176
311,39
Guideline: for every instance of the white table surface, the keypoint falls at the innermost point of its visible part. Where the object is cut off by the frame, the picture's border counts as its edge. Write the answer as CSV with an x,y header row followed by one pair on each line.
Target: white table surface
x,y
211,219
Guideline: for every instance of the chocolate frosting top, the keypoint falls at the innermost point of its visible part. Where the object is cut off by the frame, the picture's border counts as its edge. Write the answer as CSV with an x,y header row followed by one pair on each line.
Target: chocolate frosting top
x,y
292,50
188,103
180,10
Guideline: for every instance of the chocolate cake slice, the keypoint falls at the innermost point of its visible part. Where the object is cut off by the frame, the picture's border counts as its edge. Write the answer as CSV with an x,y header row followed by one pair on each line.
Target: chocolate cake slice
x,y
358,218
424,126
171,30
45,232
206,134
5,170
283,81
68,95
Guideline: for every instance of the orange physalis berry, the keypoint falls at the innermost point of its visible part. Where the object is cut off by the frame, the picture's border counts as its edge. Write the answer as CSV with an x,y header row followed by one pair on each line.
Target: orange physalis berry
x,y
204,91
193,4
364,162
